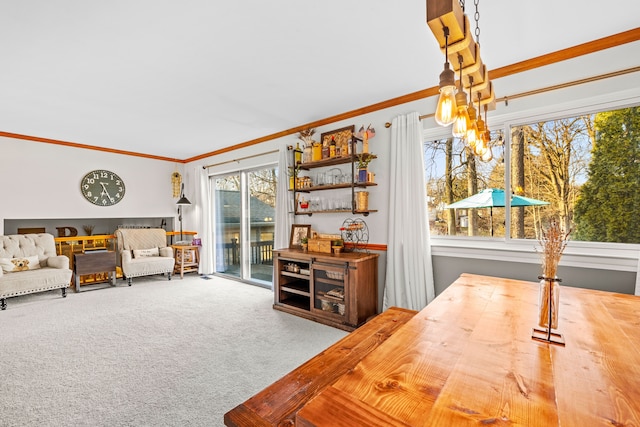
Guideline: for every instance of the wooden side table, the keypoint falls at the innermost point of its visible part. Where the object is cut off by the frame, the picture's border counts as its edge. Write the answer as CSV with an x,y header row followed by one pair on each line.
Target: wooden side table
x,y
92,263
187,259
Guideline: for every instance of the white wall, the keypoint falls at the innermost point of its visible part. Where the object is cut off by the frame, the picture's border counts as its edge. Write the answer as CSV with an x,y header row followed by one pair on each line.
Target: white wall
x,y
42,181
616,263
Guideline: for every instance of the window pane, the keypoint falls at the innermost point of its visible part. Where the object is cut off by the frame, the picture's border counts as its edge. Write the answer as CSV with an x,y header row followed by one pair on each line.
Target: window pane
x,y
587,168
227,228
262,212
454,172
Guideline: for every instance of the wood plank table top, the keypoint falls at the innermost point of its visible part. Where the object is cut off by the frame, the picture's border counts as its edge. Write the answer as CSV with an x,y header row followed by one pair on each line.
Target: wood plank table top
x,y
277,404
468,359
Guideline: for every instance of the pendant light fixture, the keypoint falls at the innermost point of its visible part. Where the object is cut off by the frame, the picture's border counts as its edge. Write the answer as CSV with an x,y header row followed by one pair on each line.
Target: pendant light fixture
x,y
459,128
453,32
446,110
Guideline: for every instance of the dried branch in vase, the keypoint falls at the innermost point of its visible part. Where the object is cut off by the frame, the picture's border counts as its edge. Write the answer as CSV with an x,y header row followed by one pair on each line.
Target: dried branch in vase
x,y
553,242
306,136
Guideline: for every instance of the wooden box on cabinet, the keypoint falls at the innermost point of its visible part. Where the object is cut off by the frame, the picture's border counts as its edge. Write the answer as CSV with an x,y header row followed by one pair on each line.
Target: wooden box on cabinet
x,y
337,290
319,245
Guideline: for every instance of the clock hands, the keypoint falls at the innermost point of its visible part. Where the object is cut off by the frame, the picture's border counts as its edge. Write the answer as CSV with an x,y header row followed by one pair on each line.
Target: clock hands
x,y
105,192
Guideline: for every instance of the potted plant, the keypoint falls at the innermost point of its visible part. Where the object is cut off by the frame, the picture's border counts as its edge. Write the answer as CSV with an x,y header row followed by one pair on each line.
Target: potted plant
x,y
337,246
362,164
304,242
293,173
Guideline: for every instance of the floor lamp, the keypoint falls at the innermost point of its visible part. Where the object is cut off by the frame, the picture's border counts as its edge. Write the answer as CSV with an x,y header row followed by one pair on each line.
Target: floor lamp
x,y
183,201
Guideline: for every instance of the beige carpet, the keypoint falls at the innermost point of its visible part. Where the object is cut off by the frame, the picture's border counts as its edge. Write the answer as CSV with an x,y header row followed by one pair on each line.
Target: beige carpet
x,y
158,353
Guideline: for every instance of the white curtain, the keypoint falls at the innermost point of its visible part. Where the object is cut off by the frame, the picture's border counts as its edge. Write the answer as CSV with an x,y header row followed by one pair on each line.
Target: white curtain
x,y
638,278
409,280
203,220
284,212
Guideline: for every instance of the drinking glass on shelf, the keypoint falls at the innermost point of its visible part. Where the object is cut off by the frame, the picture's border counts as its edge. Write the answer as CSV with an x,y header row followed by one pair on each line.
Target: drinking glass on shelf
x,y
315,203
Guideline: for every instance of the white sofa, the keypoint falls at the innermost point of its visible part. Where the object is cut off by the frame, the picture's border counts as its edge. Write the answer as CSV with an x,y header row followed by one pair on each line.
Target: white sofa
x,y
30,264
143,252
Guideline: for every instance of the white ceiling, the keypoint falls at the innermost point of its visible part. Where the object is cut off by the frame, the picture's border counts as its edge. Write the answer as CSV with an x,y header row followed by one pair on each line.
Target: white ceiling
x,y
182,78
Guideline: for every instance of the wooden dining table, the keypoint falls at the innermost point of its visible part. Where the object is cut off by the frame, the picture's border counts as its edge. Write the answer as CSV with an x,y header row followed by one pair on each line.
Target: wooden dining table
x,y
468,359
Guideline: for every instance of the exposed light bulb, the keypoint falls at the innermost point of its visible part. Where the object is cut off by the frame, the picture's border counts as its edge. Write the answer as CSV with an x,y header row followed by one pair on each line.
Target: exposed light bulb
x,y
472,136
472,127
486,136
487,156
480,148
446,111
459,129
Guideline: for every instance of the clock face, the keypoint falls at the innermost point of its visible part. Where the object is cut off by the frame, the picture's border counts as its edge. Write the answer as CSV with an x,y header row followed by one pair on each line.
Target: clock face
x,y
102,188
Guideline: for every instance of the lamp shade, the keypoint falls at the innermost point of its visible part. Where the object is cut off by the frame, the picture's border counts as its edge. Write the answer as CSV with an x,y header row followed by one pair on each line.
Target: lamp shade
x,y
183,201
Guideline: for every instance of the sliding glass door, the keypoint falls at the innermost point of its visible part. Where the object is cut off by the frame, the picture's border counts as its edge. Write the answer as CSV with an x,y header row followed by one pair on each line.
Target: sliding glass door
x,y
244,205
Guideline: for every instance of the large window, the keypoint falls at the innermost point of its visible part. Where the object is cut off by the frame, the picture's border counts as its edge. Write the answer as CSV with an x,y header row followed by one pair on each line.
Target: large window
x,y
582,170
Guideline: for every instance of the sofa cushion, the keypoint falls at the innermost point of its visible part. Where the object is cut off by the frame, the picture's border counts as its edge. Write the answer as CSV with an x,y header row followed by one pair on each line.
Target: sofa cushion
x,y
11,265
60,261
142,253
34,281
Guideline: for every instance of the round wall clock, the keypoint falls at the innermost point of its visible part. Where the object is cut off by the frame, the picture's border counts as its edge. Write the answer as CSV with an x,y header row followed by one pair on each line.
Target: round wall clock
x,y
102,187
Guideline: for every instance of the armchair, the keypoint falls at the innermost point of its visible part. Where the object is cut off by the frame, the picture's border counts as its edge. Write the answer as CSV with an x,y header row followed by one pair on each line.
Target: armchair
x,y
143,252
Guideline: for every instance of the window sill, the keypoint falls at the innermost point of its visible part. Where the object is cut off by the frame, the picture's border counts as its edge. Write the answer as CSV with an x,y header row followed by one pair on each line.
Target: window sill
x,y
605,256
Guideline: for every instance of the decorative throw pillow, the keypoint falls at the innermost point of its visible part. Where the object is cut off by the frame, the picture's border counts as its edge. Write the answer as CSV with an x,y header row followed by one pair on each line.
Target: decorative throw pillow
x,y
142,253
11,265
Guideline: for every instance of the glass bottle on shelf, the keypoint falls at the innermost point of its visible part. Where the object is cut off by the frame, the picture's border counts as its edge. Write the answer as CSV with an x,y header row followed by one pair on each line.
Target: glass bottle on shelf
x,y
298,153
332,148
325,149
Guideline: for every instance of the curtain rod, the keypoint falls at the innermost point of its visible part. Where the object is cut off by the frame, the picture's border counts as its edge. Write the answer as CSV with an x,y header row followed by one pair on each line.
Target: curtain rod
x,y
506,99
241,158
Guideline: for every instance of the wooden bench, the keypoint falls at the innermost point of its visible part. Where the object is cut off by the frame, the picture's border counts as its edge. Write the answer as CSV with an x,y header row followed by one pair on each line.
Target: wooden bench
x,y
278,404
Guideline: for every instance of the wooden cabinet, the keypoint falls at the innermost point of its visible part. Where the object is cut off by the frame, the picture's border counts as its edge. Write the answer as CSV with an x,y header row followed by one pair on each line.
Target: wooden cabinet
x,y
337,290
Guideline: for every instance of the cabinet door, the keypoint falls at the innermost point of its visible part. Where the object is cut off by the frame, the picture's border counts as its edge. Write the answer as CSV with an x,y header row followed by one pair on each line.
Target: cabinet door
x,y
329,291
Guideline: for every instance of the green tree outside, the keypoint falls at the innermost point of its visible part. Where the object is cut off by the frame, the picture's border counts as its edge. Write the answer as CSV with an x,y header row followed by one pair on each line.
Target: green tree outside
x,y
608,204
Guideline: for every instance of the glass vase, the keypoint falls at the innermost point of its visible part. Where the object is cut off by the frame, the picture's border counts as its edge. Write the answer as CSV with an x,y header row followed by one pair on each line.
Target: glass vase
x,y
549,300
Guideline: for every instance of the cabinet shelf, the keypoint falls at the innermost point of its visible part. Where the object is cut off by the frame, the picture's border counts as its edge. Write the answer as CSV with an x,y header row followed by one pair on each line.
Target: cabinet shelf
x,y
335,187
296,275
324,296
297,301
332,282
336,161
352,185
365,213
296,288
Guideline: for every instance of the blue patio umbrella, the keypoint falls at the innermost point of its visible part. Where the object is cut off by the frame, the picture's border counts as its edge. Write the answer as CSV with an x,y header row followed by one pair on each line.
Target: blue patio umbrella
x,y
493,198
